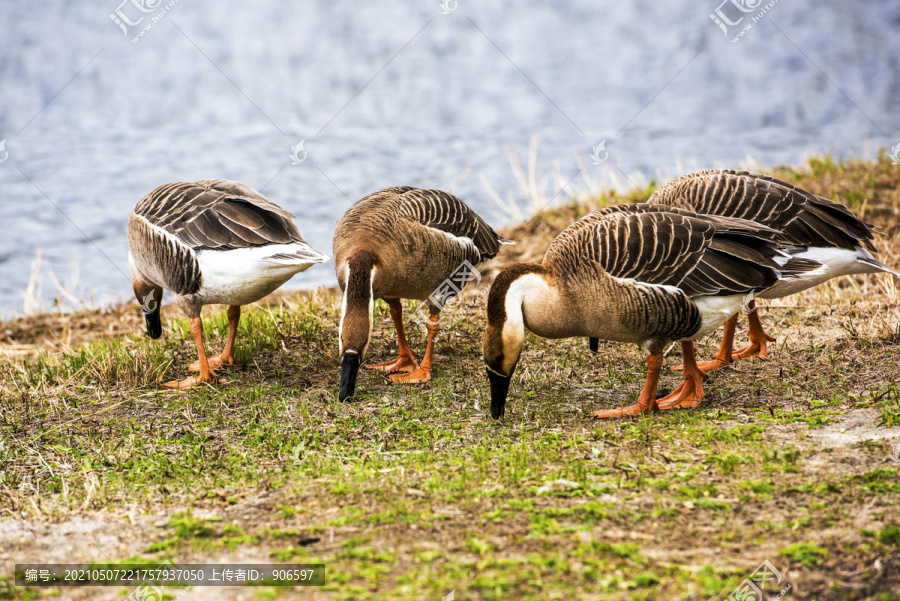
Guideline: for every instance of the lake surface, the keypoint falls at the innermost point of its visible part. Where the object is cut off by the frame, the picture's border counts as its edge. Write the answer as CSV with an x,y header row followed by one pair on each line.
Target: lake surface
x,y
396,93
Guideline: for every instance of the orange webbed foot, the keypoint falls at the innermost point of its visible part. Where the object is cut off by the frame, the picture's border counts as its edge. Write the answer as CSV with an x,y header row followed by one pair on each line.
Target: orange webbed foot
x,y
686,396
758,340
646,404
706,366
621,412
190,382
402,364
420,376
756,348
215,362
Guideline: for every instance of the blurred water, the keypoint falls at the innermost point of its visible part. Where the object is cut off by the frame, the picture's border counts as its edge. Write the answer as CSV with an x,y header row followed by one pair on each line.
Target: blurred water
x,y
391,93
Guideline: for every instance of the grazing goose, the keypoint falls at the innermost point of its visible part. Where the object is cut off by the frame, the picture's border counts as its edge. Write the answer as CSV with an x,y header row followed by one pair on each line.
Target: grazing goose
x,y
399,243
828,232
633,273
211,241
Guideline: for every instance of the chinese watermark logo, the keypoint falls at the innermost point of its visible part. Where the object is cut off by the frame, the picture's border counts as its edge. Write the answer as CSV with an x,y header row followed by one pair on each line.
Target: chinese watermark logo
x,y
751,588
120,18
446,291
298,155
131,13
731,14
146,592
151,592
894,154
600,154
149,304
5,155
747,305
296,451
448,6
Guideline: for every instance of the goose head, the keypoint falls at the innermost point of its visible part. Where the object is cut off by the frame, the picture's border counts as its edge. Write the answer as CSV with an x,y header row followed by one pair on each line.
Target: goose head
x,y
356,317
149,297
504,336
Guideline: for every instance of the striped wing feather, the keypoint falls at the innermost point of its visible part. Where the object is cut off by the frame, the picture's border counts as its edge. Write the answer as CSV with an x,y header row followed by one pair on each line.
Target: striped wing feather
x,y
827,223
675,248
721,223
656,247
447,213
806,218
740,194
218,214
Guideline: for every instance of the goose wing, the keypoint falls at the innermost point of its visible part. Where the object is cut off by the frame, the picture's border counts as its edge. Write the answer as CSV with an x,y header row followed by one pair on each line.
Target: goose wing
x,y
740,194
699,256
445,212
217,214
829,224
808,219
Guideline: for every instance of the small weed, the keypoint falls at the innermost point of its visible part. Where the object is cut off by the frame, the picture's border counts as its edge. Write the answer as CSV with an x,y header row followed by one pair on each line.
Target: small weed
x,y
807,554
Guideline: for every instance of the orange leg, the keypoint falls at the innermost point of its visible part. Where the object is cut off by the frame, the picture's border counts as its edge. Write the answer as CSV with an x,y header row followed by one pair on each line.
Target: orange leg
x,y
206,374
406,362
690,393
226,357
724,356
758,338
423,374
647,400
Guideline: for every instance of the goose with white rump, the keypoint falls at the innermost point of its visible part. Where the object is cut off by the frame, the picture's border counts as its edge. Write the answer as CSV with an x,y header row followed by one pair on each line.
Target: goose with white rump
x,y
212,241
637,273
397,243
825,231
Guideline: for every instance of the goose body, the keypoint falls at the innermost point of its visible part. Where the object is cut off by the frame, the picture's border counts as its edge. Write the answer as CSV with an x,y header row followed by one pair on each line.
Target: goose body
x,y
211,241
397,243
637,273
824,231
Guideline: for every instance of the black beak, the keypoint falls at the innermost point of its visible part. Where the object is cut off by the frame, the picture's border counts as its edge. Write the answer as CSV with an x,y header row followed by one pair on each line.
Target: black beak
x,y
349,369
154,324
499,390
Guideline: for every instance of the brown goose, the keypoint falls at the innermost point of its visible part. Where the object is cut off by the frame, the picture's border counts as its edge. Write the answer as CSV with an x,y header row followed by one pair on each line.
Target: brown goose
x,y
399,243
211,241
828,232
634,273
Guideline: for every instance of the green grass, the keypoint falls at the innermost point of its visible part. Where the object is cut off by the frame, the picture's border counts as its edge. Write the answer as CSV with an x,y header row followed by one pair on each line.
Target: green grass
x,y
807,554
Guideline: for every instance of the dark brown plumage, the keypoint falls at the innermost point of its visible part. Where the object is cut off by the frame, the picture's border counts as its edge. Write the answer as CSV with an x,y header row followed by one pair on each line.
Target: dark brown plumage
x,y
217,214
806,218
408,219
701,256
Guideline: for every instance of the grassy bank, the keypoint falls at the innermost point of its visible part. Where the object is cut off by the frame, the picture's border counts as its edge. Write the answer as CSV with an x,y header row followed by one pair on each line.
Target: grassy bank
x,y
414,492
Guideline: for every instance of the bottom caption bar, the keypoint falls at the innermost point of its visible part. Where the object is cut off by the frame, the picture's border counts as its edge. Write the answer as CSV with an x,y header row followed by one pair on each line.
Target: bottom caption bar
x,y
169,574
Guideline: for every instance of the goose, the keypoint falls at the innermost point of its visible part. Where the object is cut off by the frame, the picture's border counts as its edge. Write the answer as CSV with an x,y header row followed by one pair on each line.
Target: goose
x,y
397,243
211,241
827,232
637,273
